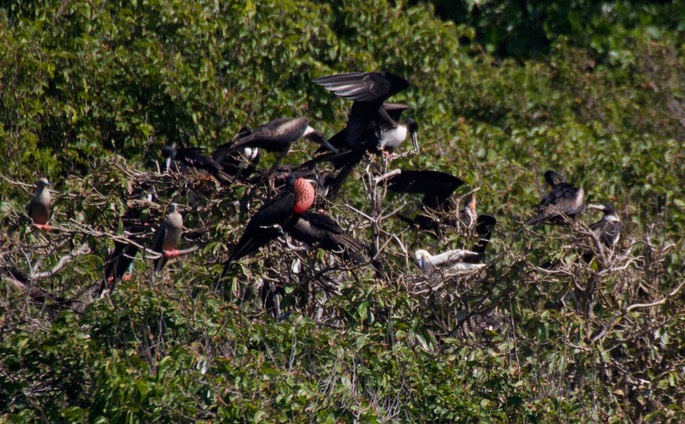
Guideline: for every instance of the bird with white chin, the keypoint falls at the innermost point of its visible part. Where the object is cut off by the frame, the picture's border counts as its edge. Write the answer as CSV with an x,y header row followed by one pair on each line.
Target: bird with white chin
x,y
448,262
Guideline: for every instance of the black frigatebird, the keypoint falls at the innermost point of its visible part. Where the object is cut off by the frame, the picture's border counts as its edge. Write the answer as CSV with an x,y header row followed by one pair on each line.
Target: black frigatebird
x,y
194,158
437,188
120,259
316,229
562,202
267,223
484,226
372,126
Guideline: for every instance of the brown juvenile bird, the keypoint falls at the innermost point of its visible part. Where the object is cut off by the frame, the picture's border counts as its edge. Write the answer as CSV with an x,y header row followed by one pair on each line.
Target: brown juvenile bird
x,y
167,236
38,208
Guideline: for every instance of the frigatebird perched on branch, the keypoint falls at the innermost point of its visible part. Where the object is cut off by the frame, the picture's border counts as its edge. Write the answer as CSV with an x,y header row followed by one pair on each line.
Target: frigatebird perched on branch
x,y
316,229
237,164
608,229
564,201
484,226
194,158
266,224
372,126
277,136
437,188
120,259
450,262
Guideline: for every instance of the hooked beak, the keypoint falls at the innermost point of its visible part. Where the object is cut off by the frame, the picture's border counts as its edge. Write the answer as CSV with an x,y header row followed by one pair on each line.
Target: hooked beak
x,y
596,207
415,141
321,139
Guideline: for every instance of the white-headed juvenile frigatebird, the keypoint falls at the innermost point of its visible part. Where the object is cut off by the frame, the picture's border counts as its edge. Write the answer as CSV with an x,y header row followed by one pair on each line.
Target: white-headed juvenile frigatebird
x,y
450,262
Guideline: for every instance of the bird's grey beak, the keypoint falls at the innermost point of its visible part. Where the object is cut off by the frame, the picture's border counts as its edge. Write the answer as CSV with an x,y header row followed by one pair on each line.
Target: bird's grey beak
x,y
167,164
596,207
321,139
415,141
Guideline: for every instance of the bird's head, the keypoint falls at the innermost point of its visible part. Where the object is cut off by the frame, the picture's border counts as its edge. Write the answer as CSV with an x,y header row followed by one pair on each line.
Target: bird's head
x,y
413,129
553,178
421,257
606,208
43,182
251,153
169,153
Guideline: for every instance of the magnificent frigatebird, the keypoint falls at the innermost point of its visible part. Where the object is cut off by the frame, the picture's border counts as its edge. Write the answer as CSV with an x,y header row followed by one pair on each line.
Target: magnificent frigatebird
x,y
372,126
450,262
437,188
484,226
267,223
194,158
120,259
167,236
608,229
237,164
456,262
276,136
564,201
38,208
316,229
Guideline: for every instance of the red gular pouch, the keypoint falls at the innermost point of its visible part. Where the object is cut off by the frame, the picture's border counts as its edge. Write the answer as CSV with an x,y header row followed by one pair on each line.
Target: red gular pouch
x,y
304,195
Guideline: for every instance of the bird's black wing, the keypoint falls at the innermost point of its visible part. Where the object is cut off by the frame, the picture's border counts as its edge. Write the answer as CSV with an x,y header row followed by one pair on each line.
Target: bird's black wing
x,y
395,110
436,186
314,228
364,86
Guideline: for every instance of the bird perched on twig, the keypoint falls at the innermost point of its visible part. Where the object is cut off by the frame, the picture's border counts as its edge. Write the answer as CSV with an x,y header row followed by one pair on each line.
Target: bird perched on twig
x,y
267,223
449,262
316,229
437,188
194,158
372,125
564,201
277,136
237,164
167,236
120,259
608,229
38,208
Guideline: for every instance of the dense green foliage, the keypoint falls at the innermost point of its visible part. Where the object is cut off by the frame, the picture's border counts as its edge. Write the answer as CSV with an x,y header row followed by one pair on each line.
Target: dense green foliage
x,y
91,90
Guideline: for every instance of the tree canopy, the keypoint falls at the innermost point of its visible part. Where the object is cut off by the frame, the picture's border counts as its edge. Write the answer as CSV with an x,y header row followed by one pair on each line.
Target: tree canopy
x,y
90,91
